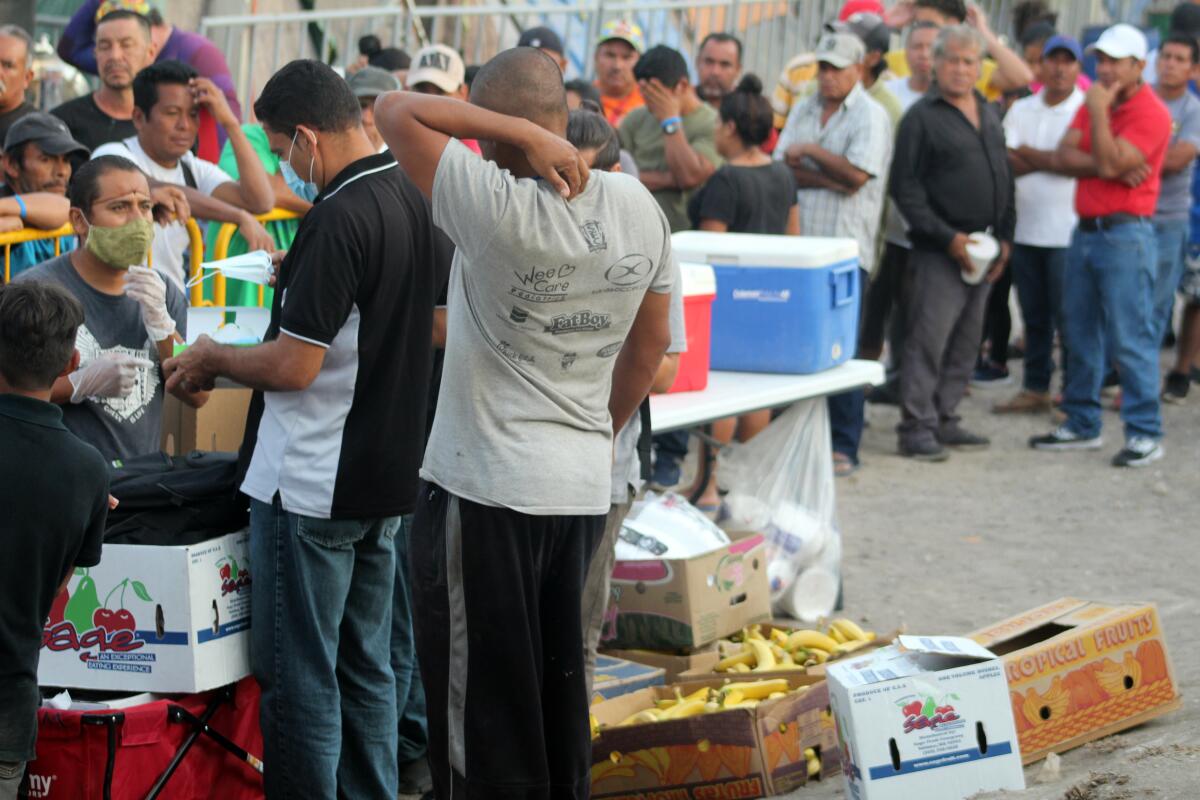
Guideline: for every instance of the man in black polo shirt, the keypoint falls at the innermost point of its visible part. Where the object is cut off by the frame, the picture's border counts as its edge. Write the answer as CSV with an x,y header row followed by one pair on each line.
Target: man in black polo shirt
x,y
333,443
54,492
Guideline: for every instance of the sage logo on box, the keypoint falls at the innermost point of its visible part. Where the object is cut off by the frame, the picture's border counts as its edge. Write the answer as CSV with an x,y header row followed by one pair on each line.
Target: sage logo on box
x,y
924,712
105,634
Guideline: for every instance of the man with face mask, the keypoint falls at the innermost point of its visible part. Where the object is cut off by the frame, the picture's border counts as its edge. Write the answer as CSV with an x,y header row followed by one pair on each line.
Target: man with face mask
x,y
133,317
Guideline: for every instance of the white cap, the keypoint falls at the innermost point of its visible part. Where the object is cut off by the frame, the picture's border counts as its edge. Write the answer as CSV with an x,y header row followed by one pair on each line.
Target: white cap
x,y
1121,41
439,65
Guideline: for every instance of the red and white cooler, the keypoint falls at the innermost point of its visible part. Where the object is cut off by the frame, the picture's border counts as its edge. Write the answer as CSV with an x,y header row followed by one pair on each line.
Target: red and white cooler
x,y
699,291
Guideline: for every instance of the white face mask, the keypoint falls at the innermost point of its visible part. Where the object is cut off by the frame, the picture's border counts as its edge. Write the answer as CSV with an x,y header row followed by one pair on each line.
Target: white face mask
x,y
252,267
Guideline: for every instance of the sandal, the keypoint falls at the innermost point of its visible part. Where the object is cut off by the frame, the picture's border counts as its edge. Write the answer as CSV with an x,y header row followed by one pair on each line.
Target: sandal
x,y
843,466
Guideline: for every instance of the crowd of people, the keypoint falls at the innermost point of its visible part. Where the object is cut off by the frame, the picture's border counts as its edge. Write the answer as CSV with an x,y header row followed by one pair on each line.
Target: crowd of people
x,y
449,409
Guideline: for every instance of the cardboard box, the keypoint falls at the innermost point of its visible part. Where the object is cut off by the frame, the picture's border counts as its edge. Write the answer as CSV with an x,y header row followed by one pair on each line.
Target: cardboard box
x,y
153,619
673,664
669,604
219,425
1079,670
739,753
927,717
616,676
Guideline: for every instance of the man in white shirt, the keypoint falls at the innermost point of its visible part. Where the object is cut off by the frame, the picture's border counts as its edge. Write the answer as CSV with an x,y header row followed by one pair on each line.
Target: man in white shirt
x,y
167,98
1046,216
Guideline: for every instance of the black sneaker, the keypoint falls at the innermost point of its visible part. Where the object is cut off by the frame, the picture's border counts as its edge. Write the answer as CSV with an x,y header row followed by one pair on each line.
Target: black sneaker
x,y
1138,452
1063,438
989,373
886,395
1195,374
924,450
956,437
1175,389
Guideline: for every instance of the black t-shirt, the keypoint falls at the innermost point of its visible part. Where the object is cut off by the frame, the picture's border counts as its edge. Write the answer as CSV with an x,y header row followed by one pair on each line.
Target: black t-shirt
x,y
360,281
54,501
90,126
747,199
9,117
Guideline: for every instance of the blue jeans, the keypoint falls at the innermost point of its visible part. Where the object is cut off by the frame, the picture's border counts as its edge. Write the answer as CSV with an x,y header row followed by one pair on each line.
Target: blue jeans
x,y
1108,298
846,418
1171,237
1038,275
320,649
410,694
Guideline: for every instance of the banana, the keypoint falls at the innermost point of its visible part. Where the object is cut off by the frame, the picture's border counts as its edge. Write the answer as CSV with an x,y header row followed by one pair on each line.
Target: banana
x,y
820,655
764,658
849,629
733,698
642,717
814,763
849,647
688,708
756,690
740,668
729,662
809,639
779,637
776,695
753,632
837,635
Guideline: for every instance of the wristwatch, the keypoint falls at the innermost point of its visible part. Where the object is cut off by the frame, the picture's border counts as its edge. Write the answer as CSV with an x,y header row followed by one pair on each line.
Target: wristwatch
x,y
671,125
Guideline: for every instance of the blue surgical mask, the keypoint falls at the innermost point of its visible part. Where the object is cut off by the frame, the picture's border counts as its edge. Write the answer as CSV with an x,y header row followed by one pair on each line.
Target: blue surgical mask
x,y
306,190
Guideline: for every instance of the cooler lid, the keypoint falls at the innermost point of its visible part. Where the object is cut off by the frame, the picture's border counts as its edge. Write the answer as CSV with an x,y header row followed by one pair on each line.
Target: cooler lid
x,y
698,279
760,250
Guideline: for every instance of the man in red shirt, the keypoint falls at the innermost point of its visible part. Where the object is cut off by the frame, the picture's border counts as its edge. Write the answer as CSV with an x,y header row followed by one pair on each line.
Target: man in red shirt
x,y
1115,146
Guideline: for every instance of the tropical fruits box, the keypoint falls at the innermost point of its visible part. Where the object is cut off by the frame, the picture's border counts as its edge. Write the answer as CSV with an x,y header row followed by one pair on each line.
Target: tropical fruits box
x,y
153,619
668,604
926,717
1079,670
745,742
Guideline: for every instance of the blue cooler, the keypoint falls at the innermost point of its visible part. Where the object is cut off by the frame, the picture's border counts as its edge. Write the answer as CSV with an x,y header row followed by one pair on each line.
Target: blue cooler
x,y
784,303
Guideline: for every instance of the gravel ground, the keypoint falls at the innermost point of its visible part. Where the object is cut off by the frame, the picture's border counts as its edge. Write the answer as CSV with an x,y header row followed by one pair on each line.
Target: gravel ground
x,y
947,548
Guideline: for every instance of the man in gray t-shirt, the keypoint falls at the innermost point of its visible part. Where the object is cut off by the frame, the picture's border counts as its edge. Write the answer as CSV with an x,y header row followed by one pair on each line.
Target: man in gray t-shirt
x,y
132,317
1177,59
557,322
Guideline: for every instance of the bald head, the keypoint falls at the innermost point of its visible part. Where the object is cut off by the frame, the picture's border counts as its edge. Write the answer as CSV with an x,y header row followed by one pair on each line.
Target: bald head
x,y
523,82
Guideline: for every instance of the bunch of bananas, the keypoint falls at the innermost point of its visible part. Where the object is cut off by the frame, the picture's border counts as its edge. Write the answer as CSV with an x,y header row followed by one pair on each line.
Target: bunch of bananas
x,y
783,650
746,694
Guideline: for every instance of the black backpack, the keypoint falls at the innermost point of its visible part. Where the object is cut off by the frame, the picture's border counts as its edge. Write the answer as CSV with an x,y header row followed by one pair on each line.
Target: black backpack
x,y
175,500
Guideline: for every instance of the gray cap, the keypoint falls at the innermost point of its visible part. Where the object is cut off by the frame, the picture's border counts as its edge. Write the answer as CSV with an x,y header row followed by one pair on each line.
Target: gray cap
x,y
841,50
372,82
47,131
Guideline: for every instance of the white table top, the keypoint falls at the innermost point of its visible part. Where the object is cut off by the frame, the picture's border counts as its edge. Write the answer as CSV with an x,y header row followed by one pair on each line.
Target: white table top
x,y
731,393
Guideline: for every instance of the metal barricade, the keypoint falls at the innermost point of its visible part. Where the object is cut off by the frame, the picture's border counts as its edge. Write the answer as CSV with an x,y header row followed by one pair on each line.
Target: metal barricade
x,y
225,235
7,240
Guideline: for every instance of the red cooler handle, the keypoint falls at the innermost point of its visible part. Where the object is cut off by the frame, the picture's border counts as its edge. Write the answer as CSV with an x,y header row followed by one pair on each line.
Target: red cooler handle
x,y
835,282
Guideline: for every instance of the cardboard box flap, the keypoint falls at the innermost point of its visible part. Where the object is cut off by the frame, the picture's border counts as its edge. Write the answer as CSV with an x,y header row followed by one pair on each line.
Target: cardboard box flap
x,y
1028,621
957,647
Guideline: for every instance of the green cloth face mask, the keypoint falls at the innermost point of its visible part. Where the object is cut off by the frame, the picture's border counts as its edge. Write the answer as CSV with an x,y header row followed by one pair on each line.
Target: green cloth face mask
x,y
123,246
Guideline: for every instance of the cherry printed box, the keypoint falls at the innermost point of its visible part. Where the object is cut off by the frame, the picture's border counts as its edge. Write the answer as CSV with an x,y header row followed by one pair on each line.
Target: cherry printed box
x,y
153,619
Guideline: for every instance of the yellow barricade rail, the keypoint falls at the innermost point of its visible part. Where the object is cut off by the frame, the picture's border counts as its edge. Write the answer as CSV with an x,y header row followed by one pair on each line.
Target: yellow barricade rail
x,y
221,250
7,240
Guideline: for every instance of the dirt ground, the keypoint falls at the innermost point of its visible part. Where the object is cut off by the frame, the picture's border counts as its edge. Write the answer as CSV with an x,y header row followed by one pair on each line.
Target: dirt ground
x,y
946,548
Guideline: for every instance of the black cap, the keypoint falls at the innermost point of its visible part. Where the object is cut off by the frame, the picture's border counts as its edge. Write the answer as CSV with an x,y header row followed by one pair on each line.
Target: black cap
x,y
1186,18
542,38
47,131
868,27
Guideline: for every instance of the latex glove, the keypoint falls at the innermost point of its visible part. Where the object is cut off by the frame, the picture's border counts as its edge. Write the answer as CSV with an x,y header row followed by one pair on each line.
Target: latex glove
x,y
150,290
110,375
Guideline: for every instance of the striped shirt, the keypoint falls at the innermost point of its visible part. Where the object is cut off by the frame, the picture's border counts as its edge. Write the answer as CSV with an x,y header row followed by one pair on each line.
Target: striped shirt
x,y
860,132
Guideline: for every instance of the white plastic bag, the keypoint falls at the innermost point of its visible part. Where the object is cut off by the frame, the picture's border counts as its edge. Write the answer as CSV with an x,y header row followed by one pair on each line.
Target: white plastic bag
x,y
781,484
667,526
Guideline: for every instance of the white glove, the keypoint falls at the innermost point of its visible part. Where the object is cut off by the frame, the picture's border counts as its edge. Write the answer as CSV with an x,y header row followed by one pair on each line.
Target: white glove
x,y
150,290
110,375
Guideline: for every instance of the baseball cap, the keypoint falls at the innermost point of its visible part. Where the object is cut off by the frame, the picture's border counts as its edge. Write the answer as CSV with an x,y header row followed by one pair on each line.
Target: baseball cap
x,y
439,65
542,38
372,82
840,49
1061,42
1121,41
852,7
47,131
626,31
868,27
